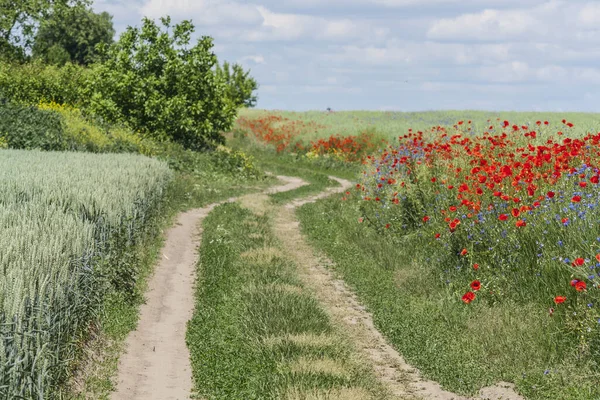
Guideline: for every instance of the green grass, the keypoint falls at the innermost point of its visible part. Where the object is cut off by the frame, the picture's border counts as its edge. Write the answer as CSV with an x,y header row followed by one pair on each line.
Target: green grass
x,y
463,348
255,329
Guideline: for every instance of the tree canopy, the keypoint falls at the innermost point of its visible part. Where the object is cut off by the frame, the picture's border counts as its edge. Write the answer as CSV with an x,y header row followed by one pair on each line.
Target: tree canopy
x,y
240,85
156,82
19,21
71,34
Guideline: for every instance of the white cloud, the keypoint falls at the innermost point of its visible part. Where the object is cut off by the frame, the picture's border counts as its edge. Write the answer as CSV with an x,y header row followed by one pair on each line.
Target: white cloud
x,y
205,12
487,25
287,27
590,14
256,59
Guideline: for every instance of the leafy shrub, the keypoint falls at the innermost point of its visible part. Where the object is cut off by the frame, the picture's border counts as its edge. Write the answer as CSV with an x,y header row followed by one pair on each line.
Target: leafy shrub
x,y
34,82
221,161
158,85
31,128
82,134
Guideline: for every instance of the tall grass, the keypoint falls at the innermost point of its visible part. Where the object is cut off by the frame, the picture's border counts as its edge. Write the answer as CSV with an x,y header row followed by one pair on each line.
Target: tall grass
x,y
66,223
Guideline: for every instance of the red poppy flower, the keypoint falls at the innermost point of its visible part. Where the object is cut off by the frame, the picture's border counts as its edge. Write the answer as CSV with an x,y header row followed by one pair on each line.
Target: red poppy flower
x,y
475,267
574,282
598,257
433,180
387,226
594,179
578,262
463,252
425,218
570,124
551,194
476,285
452,208
576,199
437,235
503,217
564,220
583,184
520,223
515,212
468,297
560,299
580,286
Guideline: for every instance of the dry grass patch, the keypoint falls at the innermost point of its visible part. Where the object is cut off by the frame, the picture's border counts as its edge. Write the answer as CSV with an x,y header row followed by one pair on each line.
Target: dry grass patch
x,y
263,255
334,394
302,339
257,203
304,365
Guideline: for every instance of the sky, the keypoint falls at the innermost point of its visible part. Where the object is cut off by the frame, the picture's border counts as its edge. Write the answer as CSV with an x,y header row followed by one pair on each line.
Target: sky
x,y
404,55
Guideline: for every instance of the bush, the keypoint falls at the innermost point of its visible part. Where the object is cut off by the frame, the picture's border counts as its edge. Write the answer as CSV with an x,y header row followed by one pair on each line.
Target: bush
x,y
158,85
31,128
81,134
34,82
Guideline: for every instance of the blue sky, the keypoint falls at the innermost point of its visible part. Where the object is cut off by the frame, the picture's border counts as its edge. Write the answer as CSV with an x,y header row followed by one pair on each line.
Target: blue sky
x,y
402,55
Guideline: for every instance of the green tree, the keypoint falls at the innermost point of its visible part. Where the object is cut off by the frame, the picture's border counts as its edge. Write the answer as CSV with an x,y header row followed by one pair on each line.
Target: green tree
x,y
240,85
19,20
153,80
71,34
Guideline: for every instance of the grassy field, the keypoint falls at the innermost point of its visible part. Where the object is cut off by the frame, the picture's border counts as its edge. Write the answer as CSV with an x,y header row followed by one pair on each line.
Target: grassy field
x,y
321,124
256,332
474,244
67,222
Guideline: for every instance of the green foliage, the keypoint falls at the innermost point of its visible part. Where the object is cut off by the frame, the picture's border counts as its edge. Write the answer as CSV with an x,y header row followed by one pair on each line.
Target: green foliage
x,y
35,82
240,85
83,134
30,128
23,17
67,223
155,82
71,35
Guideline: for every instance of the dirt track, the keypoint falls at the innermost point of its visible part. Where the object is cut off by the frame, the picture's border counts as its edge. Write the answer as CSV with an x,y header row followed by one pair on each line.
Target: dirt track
x,y
156,363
